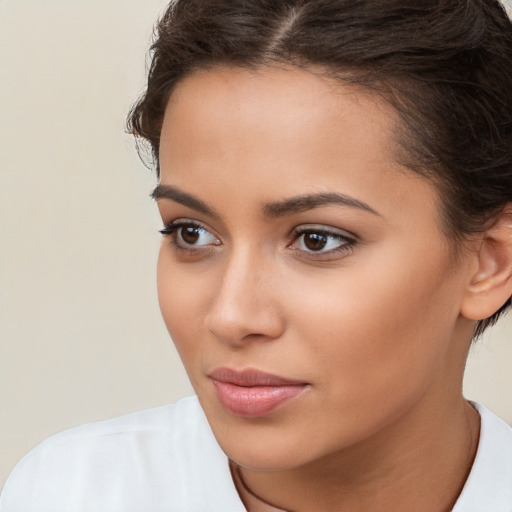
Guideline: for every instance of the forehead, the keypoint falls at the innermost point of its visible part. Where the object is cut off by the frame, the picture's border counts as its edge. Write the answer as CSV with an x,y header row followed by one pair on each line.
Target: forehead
x,y
280,104
282,132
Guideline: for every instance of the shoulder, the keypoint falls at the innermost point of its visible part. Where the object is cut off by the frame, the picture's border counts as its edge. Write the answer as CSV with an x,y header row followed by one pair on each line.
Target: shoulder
x,y
106,441
489,484
147,460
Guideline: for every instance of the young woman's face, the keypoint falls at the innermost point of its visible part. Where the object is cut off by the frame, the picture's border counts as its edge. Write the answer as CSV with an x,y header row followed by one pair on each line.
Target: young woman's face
x,y
303,275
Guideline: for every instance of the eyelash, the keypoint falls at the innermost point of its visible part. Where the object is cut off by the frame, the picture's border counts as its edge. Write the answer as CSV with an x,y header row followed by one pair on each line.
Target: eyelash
x,y
347,242
171,230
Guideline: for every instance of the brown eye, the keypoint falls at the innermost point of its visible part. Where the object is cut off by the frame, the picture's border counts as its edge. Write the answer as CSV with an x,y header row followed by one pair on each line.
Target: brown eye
x,y
315,241
194,235
321,241
190,234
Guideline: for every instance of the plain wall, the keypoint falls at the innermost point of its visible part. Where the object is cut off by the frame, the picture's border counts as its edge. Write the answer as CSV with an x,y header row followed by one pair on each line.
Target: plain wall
x,y
80,330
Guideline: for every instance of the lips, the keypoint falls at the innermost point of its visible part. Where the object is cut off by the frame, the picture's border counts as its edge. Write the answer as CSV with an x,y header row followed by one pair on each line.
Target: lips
x,y
252,393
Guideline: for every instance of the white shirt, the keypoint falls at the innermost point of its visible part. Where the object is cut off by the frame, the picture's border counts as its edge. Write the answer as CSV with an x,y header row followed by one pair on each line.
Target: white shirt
x,y
167,460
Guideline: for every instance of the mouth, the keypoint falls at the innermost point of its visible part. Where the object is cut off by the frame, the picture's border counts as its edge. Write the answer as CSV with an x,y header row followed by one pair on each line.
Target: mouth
x,y
252,393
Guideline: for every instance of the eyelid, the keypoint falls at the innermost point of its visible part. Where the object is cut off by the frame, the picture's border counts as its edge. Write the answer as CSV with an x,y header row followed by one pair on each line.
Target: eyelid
x,y
347,243
322,228
172,228
175,224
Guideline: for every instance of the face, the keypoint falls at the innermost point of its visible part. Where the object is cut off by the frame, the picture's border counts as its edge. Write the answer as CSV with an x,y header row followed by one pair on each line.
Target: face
x,y
303,274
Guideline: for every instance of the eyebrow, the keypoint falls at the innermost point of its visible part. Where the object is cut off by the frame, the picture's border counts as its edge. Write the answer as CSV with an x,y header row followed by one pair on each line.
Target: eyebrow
x,y
308,202
178,196
275,209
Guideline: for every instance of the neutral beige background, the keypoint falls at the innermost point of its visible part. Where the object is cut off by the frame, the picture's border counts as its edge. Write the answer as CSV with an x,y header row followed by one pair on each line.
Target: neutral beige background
x,y
81,334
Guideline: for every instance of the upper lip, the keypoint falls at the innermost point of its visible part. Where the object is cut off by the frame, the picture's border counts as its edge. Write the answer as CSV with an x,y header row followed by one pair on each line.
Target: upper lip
x,y
250,377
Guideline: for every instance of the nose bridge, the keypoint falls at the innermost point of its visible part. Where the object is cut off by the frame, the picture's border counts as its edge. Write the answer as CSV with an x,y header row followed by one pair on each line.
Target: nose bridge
x,y
245,304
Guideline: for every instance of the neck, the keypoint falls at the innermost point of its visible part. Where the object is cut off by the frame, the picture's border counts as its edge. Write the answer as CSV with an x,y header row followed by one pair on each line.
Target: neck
x,y
420,463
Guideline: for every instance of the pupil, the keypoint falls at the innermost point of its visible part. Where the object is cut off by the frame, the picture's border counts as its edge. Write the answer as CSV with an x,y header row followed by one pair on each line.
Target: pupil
x,y
190,234
315,241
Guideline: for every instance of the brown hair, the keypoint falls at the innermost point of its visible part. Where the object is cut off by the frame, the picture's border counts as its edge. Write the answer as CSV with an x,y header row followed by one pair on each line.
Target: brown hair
x,y
445,65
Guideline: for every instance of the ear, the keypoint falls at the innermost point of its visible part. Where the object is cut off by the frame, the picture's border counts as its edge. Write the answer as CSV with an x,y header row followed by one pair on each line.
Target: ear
x,y
491,284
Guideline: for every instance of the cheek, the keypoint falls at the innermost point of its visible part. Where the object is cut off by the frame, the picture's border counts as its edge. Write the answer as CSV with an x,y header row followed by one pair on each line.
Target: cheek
x,y
387,326
181,296
373,346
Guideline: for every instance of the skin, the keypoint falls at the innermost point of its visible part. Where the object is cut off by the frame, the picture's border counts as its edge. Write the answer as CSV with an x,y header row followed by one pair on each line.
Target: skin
x,y
372,322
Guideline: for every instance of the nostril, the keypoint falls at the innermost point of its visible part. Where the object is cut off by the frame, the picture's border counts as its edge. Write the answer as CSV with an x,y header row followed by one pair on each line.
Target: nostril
x,y
244,322
245,306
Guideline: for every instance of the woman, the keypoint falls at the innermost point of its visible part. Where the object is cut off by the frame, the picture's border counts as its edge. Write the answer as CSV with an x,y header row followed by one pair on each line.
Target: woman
x,y
335,183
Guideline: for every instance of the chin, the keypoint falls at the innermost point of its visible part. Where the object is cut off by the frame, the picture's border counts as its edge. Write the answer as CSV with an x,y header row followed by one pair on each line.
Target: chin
x,y
263,448
266,460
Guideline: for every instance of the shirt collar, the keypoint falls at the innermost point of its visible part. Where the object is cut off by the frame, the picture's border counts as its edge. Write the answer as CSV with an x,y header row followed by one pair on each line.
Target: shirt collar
x,y
489,484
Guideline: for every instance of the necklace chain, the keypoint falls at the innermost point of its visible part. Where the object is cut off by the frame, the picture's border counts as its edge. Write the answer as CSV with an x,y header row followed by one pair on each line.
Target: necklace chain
x,y
236,469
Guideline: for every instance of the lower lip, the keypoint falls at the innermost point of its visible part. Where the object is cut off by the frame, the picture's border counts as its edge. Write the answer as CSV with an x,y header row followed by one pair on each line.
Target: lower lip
x,y
255,401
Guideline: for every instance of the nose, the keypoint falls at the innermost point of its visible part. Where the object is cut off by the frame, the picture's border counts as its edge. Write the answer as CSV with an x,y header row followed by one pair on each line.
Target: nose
x,y
246,306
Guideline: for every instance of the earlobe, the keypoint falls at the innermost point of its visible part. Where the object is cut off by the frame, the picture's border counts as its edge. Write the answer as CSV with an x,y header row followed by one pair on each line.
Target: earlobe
x,y
491,284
